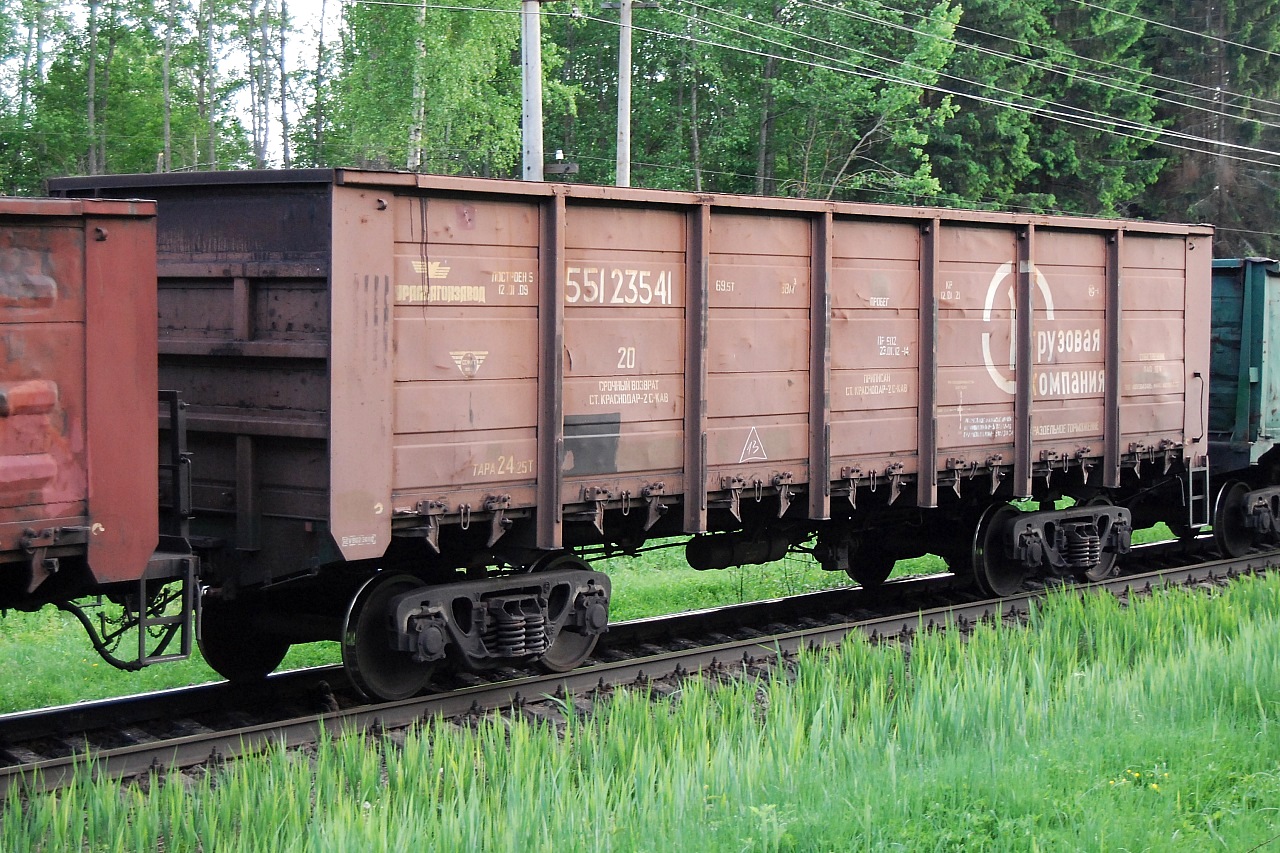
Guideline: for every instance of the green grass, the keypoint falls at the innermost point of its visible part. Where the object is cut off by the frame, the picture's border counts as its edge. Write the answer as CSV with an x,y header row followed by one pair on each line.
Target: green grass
x,y
1151,726
48,660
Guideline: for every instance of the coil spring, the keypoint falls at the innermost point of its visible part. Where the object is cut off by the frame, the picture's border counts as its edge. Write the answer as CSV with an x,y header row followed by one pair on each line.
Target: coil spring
x,y
511,636
1084,546
535,634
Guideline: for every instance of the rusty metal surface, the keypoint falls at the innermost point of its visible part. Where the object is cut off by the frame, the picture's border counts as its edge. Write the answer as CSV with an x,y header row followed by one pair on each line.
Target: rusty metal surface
x,y
78,406
361,375
464,345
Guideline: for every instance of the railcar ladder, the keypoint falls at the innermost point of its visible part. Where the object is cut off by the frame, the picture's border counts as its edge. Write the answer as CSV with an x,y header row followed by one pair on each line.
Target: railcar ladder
x,y
164,615
1199,508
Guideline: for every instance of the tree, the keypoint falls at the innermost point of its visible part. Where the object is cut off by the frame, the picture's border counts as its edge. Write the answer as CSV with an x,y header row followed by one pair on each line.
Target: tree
x,y
1055,112
764,96
1224,56
459,112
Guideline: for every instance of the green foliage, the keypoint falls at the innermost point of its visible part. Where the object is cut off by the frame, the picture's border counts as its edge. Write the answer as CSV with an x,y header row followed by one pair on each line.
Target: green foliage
x,y
1054,112
1112,108
1149,726
1228,54
762,97
427,89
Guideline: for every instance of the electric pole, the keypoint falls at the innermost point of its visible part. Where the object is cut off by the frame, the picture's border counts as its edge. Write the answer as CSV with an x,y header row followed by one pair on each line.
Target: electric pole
x,y
531,75
624,8
624,94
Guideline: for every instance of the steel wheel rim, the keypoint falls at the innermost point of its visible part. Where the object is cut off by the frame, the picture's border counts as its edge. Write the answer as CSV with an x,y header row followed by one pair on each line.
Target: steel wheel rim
x,y
570,648
1230,534
568,651
378,671
994,573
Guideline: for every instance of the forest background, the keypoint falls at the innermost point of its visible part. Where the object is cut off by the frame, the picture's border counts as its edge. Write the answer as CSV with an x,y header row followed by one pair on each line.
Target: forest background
x,y
1117,108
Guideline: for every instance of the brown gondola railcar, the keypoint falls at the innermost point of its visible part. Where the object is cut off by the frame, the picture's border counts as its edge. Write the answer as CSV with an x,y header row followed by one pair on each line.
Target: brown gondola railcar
x,y
419,398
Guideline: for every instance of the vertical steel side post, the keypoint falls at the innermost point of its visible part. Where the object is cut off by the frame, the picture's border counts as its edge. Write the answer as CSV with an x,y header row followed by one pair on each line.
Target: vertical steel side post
x,y
820,368
550,529
697,273
1111,364
1025,373
927,411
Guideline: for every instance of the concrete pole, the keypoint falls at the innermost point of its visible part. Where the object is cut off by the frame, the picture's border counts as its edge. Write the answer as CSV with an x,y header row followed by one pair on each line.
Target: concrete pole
x,y
624,95
531,61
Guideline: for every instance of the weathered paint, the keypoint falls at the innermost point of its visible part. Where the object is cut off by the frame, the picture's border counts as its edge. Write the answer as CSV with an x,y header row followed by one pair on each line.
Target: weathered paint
x,y
1244,401
78,408
547,346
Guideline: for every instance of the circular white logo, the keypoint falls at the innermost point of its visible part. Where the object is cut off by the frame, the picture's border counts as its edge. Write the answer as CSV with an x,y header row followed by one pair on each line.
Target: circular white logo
x,y
998,373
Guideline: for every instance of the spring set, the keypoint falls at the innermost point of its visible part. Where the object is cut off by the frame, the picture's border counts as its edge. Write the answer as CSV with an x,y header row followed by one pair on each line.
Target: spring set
x,y
1084,546
518,628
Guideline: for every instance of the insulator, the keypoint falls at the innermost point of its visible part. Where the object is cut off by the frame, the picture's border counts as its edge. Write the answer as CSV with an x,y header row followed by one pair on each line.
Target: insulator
x,y
1083,547
535,634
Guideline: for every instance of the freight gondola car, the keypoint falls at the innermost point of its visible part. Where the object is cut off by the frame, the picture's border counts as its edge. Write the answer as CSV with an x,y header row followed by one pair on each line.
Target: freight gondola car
x,y
1244,404
414,401
79,506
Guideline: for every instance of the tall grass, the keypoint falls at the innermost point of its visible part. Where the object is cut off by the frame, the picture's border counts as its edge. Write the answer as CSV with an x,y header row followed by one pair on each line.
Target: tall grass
x,y
1151,726
47,660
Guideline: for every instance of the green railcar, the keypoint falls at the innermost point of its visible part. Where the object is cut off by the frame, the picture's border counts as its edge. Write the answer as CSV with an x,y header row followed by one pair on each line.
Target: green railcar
x,y
1244,387
1244,403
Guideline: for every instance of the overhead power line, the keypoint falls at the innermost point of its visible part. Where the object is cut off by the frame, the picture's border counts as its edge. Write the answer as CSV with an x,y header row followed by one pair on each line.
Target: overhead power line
x,y
1216,100
1042,106
1171,27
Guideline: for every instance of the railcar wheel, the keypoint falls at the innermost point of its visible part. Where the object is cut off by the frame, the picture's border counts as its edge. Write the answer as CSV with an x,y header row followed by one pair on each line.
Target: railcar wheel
x,y
570,648
568,651
871,567
233,647
1106,560
1230,533
994,573
376,669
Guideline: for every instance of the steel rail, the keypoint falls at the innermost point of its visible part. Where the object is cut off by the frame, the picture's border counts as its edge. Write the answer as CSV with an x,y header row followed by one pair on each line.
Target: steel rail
x,y
215,747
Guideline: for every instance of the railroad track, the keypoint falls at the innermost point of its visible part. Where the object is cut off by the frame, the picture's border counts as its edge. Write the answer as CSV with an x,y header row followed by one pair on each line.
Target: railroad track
x,y
42,750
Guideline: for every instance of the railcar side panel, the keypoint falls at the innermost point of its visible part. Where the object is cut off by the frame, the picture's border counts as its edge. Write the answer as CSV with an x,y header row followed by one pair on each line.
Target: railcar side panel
x,y
1244,404
465,355
464,347
1069,337
758,343
78,408
976,358
875,301
624,304
1154,332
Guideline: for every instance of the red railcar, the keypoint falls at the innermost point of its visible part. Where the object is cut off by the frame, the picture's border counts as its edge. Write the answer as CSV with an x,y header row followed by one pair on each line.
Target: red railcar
x,y
398,382
79,502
